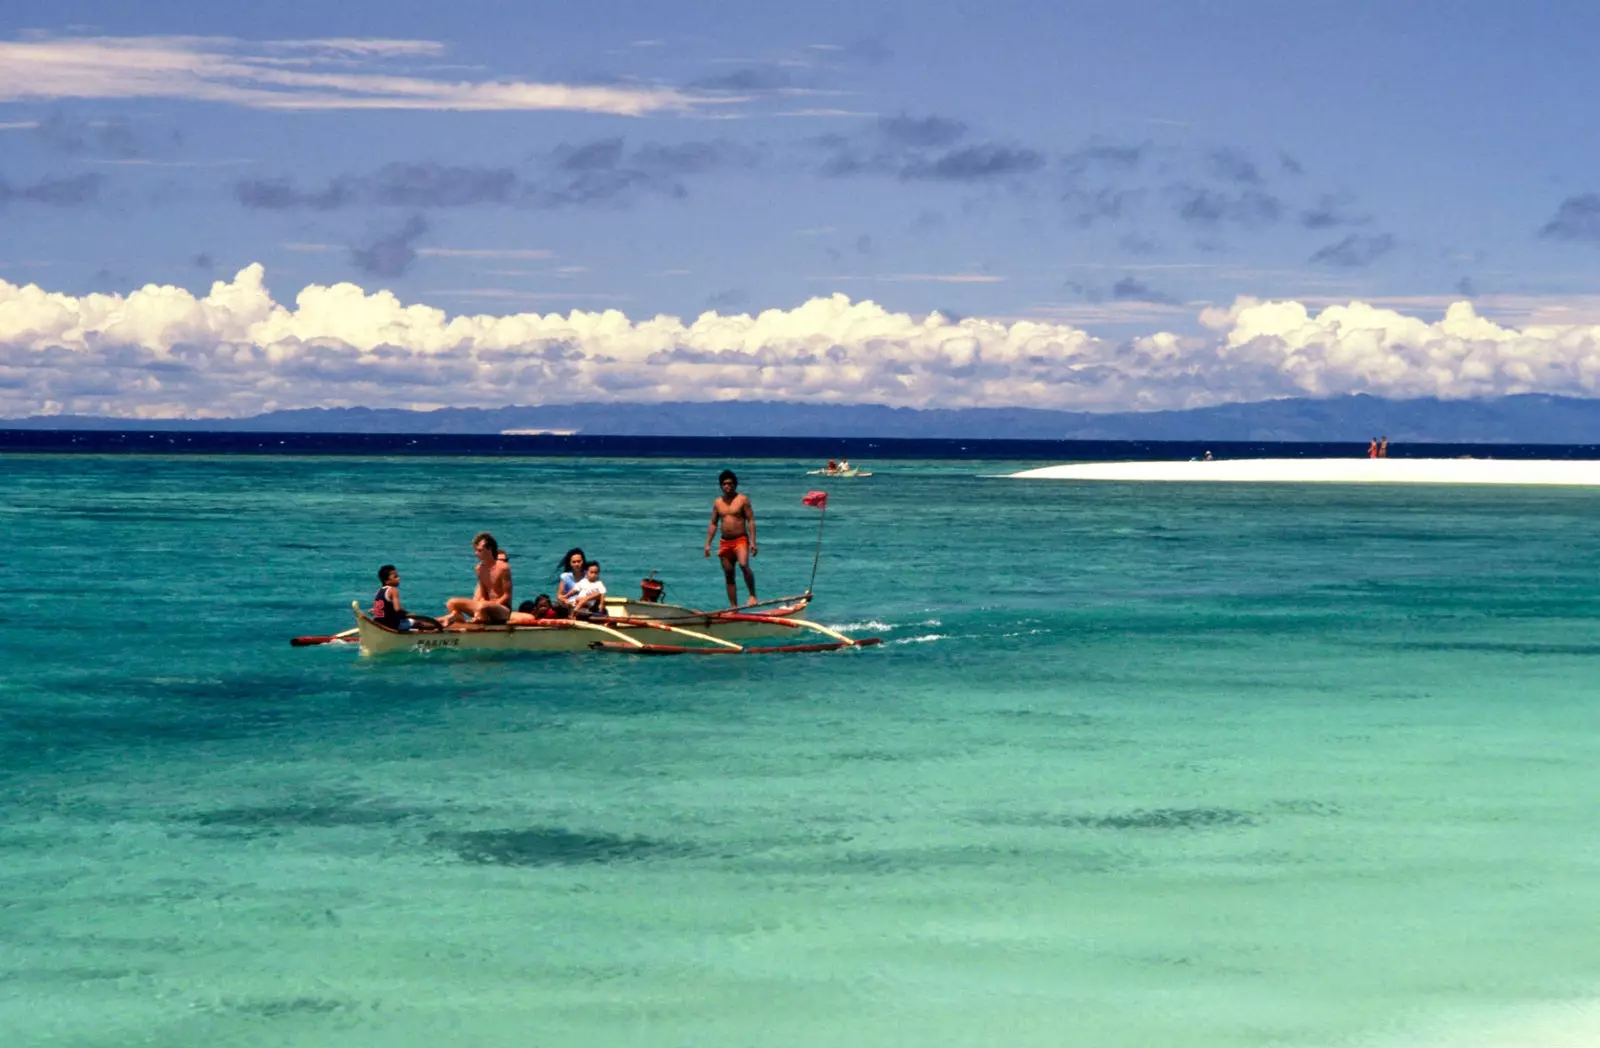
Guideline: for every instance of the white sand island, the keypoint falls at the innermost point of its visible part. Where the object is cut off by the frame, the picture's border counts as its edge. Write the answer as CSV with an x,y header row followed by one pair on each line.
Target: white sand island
x,y
1334,471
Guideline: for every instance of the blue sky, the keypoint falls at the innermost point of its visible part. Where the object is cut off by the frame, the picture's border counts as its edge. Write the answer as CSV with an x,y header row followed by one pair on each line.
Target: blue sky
x,y
1114,171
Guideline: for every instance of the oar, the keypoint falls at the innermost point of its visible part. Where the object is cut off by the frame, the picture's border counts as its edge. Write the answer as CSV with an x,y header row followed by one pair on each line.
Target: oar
x,y
306,642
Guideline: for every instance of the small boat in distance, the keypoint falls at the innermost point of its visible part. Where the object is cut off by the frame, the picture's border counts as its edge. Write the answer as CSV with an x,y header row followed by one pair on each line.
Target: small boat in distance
x,y
838,469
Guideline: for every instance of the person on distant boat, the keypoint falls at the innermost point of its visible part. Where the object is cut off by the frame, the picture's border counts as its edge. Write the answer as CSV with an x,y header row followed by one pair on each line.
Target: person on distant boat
x,y
589,596
833,467
1383,447
386,607
570,573
1372,449
539,609
733,513
1208,456
490,602
844,465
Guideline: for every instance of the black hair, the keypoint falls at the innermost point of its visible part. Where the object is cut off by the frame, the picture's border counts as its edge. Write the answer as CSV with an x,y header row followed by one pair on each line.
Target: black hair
x,y
526,607
728,474
590,564
543,596
384,573
566,561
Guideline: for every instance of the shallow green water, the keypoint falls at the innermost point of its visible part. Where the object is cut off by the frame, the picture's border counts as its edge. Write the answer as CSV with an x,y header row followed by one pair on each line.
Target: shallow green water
x,y
1140,765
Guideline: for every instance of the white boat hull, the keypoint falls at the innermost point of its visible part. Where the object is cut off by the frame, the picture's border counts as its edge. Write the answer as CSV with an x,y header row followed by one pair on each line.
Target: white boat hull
x,y
628,624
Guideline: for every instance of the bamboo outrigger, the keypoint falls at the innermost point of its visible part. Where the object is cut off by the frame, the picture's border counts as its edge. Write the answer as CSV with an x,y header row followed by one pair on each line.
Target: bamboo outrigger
x,y
630,627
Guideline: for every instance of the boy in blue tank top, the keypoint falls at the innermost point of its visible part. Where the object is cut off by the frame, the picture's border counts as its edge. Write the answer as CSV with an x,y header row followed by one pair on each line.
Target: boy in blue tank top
x,y
386,606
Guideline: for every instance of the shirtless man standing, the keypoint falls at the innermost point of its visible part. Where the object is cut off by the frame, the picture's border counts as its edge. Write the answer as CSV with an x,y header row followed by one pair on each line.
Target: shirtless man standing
x,y
738,520
490,603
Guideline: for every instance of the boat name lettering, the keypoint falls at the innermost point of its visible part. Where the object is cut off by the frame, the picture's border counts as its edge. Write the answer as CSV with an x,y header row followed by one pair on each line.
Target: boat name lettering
x,y
441,642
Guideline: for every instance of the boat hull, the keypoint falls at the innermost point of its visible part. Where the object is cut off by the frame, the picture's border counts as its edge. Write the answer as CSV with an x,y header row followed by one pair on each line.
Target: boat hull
x,y
627,624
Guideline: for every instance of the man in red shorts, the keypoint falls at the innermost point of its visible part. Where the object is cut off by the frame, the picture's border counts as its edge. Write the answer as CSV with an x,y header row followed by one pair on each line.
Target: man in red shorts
x,y
733,512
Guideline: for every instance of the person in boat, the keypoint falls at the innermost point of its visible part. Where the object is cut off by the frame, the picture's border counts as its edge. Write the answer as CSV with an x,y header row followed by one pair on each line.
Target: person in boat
x,y
568,575
844,465
490,603
539,609
733,513
386,607
833,467
1372,448
1383,447
589,596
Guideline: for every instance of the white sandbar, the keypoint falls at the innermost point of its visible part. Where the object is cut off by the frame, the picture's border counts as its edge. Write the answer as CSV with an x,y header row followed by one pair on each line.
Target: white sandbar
x,y
1334,471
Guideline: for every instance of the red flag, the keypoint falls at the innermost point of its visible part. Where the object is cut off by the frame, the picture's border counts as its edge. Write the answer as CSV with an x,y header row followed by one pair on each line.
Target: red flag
x,y
818,499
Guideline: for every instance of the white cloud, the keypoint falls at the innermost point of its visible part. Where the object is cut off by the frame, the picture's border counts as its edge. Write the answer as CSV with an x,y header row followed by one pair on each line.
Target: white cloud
x,y
316,74
162,350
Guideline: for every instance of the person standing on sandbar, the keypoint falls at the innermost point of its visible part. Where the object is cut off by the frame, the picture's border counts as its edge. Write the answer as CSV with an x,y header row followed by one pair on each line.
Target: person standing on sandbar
x,y
734,514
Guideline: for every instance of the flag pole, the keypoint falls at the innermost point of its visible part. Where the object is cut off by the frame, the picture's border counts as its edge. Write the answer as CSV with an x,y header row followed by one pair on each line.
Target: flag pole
x,y
817,556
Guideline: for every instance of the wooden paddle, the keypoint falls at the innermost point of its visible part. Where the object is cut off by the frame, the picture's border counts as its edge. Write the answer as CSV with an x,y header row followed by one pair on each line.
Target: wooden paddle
x,y
306,642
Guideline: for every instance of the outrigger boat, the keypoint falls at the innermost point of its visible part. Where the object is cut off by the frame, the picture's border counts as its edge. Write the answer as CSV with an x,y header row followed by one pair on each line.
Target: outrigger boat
x,y
638,627
851,472
646,626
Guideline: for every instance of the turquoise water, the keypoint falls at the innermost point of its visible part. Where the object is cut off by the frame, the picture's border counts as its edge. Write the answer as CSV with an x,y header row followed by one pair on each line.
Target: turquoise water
x,y
1150,765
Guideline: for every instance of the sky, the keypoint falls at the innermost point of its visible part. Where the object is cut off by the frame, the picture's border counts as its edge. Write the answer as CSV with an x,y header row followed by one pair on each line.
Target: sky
x,y
219,209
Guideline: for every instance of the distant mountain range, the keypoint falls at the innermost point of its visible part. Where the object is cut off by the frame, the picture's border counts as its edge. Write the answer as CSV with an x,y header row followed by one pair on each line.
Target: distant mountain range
x,y
1526,419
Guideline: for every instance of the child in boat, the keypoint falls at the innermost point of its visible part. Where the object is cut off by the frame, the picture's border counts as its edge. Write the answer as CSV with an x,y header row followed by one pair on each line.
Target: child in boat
x,y
536,610
386,607
588,598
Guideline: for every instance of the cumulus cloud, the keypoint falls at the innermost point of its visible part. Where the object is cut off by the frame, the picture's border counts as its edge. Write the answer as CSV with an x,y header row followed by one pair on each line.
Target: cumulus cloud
x,y
164,351
290,74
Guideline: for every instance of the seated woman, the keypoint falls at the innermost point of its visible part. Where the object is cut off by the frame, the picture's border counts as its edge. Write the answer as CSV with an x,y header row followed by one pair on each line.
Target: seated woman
x,y
571,573
538,609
